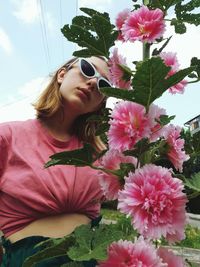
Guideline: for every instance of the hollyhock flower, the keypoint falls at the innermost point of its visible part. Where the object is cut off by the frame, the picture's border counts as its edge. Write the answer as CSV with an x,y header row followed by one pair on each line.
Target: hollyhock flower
x,y
128,125
155,202
144,25
156,129
168,257
125,253
110,183
120,19
116,72
170,60
176,153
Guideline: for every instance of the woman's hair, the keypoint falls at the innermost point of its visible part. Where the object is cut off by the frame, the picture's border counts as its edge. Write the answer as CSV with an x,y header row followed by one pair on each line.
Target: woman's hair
x,y
50,102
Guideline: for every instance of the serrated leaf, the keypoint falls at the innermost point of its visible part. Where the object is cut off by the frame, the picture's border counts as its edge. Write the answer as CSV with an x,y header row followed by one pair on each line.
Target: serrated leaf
x,y
184,12
92,12
84,22
179,26
118,93
158,51
196,62
93,243
57,249
165,119
95,34
194,182
177,77
163,4
148,81
77,157
127,73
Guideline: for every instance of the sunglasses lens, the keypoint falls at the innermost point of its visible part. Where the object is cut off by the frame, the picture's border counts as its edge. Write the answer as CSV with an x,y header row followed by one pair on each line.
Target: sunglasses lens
x,y
87,68
104,83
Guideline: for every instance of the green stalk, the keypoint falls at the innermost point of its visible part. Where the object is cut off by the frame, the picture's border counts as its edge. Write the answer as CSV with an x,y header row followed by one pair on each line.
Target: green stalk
x,y
146,51
146,46
145,2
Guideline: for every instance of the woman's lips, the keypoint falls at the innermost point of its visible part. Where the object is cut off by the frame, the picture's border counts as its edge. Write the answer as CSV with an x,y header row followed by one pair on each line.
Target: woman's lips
x,y
84,92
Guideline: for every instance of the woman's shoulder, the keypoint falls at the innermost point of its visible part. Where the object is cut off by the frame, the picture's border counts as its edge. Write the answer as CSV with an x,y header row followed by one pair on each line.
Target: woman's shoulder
x,y
8,128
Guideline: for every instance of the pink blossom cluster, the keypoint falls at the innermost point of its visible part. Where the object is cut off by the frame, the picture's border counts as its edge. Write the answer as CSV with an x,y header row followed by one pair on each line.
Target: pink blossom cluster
x,y
116,73
176,153
110,183
141,253
130,123
170,60
155,202
143,25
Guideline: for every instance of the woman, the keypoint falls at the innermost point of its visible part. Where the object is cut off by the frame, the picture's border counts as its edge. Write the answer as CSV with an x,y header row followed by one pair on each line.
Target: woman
x,y
38,203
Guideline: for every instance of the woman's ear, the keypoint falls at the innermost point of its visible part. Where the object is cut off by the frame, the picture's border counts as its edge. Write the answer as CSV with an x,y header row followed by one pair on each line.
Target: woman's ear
x,y
61,74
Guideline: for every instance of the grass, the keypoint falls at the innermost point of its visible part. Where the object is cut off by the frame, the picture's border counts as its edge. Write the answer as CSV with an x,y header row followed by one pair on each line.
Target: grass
x,y
192,239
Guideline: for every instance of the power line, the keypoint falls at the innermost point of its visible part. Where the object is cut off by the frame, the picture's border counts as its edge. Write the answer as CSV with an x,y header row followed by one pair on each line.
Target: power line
x,y
44,33
61,25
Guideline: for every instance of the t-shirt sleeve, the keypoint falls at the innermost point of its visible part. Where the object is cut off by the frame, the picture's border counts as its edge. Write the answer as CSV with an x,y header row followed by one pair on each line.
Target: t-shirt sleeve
x,y
4,141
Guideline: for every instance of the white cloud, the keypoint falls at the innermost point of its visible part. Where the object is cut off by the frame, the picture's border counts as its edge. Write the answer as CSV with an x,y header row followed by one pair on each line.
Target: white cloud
x,y
30,11
26,10
21,108
5,42
97,4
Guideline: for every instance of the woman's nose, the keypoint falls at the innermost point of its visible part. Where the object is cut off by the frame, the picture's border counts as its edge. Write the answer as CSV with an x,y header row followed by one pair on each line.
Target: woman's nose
x,y
92,83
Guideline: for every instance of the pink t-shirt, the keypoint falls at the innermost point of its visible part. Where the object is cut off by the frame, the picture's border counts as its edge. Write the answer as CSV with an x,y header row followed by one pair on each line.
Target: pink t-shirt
x,y
28,191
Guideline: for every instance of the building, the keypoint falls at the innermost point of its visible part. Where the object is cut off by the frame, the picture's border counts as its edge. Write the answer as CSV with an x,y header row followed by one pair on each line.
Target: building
x,y
194,124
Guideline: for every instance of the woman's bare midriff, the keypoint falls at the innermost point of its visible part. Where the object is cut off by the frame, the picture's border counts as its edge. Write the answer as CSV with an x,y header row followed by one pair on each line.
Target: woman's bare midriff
x,y
52,226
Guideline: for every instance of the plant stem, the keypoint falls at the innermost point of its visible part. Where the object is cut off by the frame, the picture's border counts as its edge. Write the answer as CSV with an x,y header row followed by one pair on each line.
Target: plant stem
x,y
145,2
146,51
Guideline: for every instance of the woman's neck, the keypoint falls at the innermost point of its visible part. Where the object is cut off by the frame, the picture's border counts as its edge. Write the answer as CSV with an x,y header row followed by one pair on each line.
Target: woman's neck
x,y
59,126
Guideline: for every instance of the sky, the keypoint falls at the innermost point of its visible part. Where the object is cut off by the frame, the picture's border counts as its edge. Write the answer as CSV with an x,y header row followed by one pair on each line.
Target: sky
x,y
32,47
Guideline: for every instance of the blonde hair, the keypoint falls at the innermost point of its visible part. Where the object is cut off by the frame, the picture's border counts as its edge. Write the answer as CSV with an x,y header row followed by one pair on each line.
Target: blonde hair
x,y
50,102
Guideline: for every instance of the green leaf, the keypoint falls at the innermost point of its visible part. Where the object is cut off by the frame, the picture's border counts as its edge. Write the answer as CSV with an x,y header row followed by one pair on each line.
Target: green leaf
x,y
58,248
148,81
127,73
165,119
95,33
158,51
194,182
163,4
196,62
93,243
179,26
118,93
92,12
77,157
184,12
84,22
177,77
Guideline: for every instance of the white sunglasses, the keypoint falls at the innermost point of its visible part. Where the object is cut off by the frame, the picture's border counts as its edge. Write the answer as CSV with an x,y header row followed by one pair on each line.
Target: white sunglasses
x,y
89,71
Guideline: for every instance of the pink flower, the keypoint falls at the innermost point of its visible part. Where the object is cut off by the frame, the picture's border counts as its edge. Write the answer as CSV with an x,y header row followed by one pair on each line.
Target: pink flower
x,y
128,125
168,257
116,73
144,25
120,19
156,129
125,253
155,202
176,153
110,183
170,60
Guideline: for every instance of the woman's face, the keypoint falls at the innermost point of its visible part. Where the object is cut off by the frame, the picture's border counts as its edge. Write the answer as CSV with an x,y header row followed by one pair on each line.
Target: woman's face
x,y
79,93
